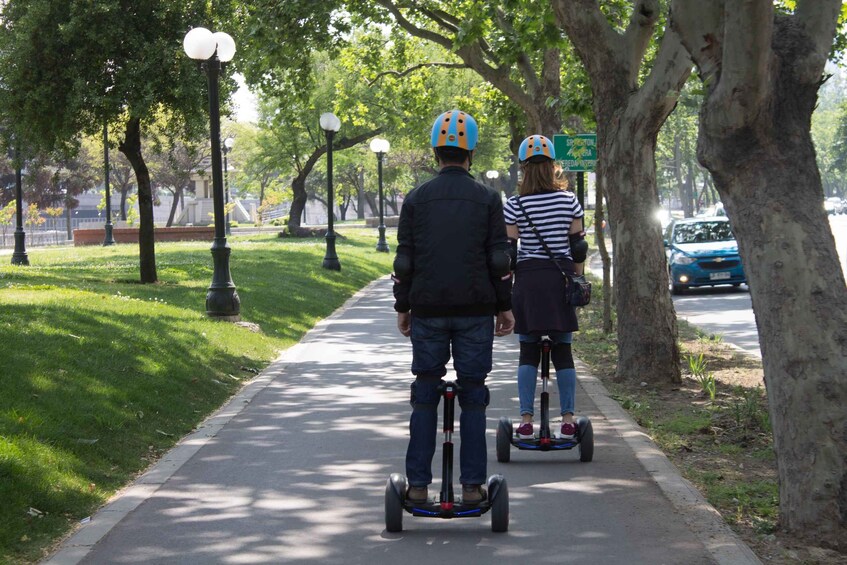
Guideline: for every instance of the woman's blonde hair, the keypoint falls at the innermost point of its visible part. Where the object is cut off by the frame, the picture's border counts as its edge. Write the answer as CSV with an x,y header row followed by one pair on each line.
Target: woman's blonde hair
x,y
541,177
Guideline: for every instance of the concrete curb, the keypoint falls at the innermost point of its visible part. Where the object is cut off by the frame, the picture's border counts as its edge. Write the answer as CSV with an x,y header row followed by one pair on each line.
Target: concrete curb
x,y
700,516
76,547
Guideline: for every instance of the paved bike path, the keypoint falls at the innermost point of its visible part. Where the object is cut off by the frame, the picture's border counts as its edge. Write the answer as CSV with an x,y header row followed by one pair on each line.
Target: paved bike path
x,y
293,470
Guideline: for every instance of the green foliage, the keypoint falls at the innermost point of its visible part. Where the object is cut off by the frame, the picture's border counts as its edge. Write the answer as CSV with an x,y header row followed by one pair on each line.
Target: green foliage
x,y
697,367
746,409
66,67
107,374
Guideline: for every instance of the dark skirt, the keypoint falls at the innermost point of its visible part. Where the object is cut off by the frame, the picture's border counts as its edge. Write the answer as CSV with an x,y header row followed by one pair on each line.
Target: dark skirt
x,y
538,298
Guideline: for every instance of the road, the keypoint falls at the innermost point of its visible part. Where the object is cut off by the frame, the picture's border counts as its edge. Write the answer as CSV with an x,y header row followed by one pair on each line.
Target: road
x,y
293,470
728,311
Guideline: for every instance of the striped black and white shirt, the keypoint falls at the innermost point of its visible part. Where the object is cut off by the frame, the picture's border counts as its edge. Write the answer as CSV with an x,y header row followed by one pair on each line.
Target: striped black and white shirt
x,y
552,213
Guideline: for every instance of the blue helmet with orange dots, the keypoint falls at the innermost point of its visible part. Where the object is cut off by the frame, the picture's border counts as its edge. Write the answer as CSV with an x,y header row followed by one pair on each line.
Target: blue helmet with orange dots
x,y
455,128
536,146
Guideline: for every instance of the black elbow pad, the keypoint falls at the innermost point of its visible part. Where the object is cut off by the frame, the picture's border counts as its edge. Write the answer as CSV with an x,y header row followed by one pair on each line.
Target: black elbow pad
x,y
499,263
579,247
403,266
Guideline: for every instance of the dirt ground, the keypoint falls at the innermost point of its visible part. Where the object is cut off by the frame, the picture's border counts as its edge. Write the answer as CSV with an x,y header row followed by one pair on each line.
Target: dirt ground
x,y
730,456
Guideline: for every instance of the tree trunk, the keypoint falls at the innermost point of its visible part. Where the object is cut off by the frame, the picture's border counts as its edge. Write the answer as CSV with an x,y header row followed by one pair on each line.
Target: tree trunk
x,y
755,139
647,327
131,148
124,193
177,195
298,202
800,303
360,192
629,117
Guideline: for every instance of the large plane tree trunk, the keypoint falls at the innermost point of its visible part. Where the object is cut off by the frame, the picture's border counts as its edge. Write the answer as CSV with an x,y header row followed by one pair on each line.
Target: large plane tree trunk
x,y
762,75
629,117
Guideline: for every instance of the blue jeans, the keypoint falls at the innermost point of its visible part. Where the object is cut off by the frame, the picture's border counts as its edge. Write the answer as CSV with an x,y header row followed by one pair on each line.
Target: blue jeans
x,y
471,339
565,377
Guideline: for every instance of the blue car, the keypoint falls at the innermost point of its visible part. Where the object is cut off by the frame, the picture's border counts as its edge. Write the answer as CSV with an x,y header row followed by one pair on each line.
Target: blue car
x,y
702,252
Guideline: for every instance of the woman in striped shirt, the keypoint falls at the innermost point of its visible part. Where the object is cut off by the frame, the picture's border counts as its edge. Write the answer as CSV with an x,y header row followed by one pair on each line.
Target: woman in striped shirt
x,y
538,293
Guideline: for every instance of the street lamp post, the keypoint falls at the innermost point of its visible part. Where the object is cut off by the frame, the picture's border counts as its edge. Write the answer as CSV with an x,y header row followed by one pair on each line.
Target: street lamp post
x,y
380,147
19,256
492,175
227,147
330,124
109,238
214,50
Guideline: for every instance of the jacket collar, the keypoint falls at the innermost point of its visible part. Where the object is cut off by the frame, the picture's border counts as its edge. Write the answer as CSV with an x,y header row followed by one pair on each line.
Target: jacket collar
x,y
455,170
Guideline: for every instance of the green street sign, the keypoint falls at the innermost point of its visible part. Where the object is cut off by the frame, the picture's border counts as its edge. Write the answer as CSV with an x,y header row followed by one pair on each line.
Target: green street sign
x,y
576,152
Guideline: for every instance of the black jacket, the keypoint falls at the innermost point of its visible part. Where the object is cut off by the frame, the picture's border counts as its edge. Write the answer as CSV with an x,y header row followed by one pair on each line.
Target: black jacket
x,y
451,249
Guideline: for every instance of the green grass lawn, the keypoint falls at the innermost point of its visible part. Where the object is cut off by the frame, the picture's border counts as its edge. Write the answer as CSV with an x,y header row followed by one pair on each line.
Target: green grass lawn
x,y
99,375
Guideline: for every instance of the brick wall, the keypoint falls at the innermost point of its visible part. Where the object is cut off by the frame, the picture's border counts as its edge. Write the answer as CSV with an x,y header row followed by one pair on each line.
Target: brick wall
x,y
130,235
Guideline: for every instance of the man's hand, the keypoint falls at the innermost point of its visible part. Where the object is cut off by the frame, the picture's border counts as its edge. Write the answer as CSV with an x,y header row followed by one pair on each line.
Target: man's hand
x,y
404,323
505,323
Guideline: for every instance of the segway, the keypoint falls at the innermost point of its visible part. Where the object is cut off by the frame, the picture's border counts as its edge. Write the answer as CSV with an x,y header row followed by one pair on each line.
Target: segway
x,y
544,440
447,506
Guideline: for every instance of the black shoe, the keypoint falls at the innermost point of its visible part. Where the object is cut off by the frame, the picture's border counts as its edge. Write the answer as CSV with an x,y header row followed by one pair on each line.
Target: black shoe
x,y
473,494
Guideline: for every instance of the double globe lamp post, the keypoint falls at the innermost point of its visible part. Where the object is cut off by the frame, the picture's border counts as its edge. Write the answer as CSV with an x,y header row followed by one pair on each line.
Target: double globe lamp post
x,y
330,124
381,147
214,50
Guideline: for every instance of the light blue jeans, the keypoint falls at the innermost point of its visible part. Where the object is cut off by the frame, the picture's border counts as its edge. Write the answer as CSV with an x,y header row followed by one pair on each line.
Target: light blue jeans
x,y
528,375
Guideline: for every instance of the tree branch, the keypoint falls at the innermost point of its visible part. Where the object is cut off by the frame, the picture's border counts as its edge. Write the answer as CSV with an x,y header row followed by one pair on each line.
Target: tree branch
x,y
700,28
660,92
523,62
819,18
414,30
645,15
399,74
587,27
747,54
473,55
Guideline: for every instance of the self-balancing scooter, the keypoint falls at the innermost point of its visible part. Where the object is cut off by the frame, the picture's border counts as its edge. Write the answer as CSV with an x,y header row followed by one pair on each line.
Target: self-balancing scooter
x,y
544,440
448,506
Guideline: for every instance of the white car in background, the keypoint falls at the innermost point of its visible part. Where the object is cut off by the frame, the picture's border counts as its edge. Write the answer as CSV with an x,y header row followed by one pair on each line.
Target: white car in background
x,y
834,205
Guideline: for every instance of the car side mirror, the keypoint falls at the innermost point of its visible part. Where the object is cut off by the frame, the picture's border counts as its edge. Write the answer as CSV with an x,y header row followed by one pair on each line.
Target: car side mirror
x,y
665,241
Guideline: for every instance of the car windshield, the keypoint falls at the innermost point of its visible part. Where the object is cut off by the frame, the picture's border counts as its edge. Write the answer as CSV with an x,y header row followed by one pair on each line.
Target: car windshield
x,y
697,232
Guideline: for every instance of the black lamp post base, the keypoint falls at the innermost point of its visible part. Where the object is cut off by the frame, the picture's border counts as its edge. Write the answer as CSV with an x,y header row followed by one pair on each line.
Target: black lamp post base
x,y
109,239
381,244
20,259
331,261
223,304
19,256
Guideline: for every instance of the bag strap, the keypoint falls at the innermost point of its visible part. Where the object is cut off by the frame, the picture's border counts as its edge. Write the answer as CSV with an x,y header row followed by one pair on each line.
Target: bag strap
x,y
541,239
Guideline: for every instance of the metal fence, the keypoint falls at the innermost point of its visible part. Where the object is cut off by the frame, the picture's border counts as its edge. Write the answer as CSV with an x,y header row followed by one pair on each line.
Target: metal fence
x,y
54,231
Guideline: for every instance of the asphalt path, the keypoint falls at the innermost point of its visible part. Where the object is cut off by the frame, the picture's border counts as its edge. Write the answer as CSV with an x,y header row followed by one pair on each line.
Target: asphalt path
x,y
293,470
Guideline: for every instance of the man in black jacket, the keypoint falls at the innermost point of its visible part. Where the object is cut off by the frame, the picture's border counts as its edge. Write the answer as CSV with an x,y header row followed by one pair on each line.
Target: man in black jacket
x,y
452,285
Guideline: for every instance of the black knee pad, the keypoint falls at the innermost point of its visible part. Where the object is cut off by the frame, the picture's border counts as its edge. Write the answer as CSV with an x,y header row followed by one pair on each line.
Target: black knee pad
x,y
413,397
562,356
473,394
530,354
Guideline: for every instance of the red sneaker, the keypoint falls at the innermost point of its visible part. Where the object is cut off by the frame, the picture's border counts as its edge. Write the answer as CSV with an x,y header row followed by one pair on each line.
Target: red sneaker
x,y
568,430
525,431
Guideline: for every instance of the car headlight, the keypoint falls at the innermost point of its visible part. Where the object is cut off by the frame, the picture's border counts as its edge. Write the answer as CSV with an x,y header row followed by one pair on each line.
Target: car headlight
x,y
683,260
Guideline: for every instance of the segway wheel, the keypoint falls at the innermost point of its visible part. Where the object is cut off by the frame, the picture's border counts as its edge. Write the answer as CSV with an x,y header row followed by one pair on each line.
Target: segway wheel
x,y
586,439
498,496
504,440
395,493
